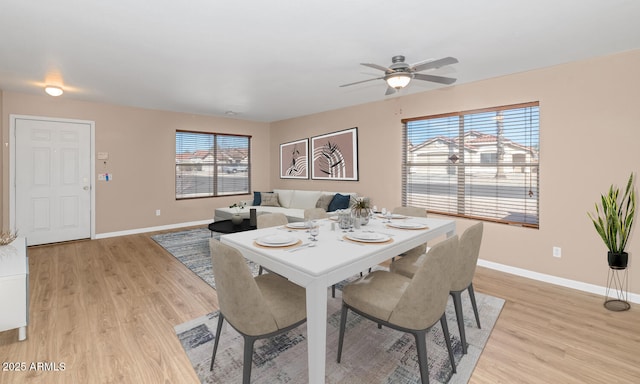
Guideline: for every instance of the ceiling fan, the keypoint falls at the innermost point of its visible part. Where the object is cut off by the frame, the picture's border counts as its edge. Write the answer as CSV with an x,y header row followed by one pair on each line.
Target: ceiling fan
x,y
399,74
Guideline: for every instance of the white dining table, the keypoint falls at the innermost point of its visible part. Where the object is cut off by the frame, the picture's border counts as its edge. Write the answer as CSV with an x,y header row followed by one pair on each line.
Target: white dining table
x,y
331,259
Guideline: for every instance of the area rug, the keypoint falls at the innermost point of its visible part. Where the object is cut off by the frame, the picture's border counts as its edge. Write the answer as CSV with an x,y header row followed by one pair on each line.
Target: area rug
x,y
191,248
370,355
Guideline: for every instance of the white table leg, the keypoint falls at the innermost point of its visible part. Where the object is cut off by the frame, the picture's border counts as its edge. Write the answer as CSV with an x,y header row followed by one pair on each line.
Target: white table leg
x,y
22,333
317,330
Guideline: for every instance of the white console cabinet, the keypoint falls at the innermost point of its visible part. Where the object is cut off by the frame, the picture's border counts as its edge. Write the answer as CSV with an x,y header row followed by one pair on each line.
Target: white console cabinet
x,y
14,287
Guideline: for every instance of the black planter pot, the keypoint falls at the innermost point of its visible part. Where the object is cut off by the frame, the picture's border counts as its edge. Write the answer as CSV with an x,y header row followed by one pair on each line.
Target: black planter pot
x,y
618,260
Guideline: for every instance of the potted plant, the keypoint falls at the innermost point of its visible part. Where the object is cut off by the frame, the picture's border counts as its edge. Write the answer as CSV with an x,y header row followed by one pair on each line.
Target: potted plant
x,y
236,219
361,208
613,221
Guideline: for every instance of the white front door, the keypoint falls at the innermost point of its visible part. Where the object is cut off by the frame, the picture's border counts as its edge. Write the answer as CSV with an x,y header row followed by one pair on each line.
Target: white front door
x,y
52,180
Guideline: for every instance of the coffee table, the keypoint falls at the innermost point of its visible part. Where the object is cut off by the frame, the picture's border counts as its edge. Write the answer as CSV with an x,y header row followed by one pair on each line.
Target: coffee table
x,y
226,226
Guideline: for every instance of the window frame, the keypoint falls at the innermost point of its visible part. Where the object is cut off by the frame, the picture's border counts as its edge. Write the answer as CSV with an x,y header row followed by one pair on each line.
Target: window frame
x,y
458,186
215,164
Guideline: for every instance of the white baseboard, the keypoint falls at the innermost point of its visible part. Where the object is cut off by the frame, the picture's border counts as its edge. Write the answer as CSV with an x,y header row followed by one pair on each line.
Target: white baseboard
x,y
152,229
574,284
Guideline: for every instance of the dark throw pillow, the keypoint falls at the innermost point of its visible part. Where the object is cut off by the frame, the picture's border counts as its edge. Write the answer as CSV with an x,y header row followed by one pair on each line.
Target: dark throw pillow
x,y
257,198
339,202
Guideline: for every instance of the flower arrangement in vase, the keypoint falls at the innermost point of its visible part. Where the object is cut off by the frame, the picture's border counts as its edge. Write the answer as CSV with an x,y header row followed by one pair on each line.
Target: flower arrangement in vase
x,y
236,219
361,209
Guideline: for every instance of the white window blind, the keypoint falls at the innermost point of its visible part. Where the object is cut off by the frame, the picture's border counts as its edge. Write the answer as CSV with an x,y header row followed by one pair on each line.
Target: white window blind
x,y
481,164
209,164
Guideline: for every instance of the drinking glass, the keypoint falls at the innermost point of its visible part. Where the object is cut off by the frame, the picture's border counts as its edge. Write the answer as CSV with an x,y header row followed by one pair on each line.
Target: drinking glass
x,y
308,224
314,230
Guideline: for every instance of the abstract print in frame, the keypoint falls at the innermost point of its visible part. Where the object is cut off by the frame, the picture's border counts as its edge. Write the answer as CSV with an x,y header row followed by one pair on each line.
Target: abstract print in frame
x,y
335,155
294,160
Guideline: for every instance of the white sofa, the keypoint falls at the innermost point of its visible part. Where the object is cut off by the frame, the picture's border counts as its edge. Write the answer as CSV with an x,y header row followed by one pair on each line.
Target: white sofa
x,y
292,202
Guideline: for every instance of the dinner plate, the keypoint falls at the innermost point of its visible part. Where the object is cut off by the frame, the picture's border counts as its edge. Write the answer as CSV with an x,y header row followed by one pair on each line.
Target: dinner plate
x,y
394,216
407,225
368,237
297,225
276,240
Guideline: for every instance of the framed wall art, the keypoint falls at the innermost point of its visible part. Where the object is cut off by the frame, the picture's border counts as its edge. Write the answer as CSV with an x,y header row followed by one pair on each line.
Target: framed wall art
x,y
335,155
294,160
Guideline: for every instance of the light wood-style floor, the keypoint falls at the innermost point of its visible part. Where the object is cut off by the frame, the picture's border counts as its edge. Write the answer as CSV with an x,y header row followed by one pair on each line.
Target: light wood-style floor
x,y
106,309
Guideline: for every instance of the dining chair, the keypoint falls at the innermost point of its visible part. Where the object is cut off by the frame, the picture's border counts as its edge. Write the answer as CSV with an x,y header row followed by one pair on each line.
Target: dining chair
x,y
411,305
270,220
414,212
315,214
258,308
464,269
464,261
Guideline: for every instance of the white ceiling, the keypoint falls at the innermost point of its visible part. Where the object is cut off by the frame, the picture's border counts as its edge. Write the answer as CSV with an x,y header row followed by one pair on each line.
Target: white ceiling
x,y
272,60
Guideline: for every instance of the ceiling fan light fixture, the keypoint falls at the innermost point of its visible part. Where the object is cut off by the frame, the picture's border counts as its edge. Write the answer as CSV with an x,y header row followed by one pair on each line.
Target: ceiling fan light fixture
x,y
53,90
398,80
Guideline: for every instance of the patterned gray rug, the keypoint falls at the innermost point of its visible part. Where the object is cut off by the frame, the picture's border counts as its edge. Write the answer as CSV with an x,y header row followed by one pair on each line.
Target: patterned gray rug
x,y
370,355
191,248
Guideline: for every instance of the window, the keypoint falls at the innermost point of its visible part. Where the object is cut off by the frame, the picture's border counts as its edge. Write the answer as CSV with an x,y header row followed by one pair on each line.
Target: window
x,y
209,164
480,164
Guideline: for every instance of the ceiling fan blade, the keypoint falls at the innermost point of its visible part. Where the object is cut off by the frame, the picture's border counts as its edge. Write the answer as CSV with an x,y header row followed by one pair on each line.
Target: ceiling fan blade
x,y
434,64
375,66
434,79
390,90
361,81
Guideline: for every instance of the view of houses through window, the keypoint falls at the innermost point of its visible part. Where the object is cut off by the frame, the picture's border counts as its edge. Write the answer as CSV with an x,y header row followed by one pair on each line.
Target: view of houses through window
x,y
481,164
209,164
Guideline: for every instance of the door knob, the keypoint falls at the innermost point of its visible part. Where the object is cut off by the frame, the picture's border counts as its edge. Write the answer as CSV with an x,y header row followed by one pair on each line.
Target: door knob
x,y
86,187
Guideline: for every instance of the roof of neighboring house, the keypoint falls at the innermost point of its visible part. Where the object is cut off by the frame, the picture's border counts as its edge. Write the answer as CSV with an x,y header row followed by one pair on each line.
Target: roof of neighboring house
x,y
473,140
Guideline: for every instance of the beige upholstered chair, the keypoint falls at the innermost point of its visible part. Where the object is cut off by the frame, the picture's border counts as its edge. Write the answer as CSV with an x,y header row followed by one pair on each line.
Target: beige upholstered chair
x,y
415,212
464,261
315,214
464,267
257,308
408,305
270,220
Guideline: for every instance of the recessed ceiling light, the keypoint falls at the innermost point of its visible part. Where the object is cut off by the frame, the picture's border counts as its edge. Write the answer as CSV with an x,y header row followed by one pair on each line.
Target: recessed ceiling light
x,y
52,90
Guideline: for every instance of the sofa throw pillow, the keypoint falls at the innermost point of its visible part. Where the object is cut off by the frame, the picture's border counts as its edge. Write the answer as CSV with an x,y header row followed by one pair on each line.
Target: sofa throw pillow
x,y
339,202
257,198
324,201
269,199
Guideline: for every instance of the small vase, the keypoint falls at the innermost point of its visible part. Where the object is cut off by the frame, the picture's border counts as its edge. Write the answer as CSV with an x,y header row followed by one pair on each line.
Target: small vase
x,y
362,215
618,260
236,219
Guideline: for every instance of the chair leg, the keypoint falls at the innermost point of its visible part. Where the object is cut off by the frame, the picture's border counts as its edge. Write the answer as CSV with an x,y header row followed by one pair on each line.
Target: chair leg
x,y
421,345
473,303
343,323
447,339
215,344
248,359
260,270
457,303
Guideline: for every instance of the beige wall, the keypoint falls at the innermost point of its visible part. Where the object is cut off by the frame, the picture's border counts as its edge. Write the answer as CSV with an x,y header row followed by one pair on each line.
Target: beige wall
x,y
589,135
141,146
